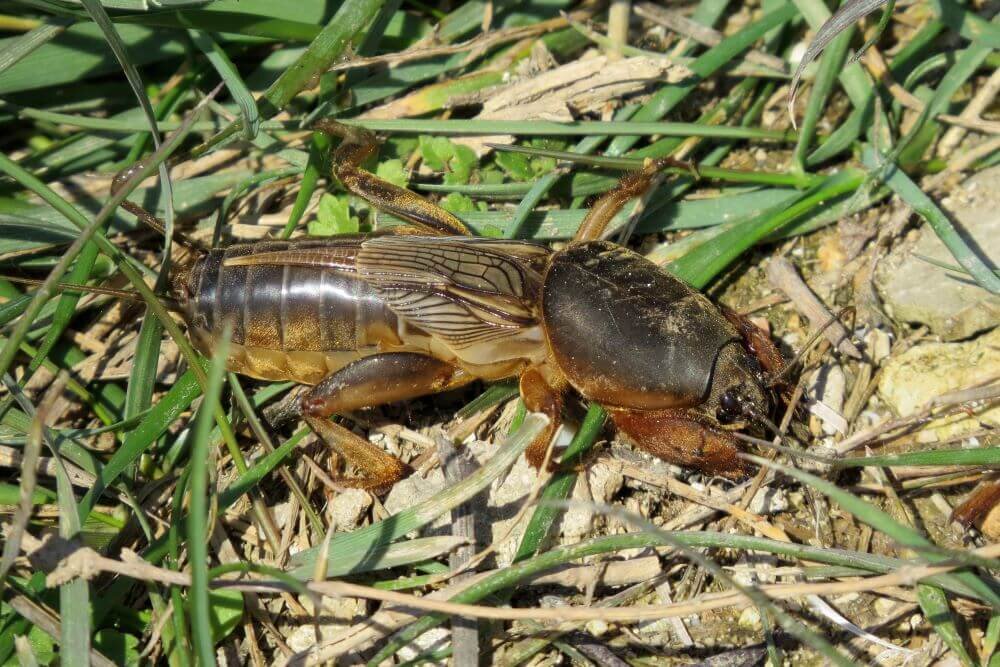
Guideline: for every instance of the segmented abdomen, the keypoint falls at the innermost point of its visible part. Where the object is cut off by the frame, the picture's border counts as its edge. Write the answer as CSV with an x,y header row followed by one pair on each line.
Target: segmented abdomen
x,y
288,322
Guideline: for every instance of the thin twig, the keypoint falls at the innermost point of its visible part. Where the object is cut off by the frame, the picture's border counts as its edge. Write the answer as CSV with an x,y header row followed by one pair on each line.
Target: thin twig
x,y
83,561
459,464
682,25
782,275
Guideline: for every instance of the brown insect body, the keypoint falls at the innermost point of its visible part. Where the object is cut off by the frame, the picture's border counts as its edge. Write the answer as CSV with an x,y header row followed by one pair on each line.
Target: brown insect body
x,y
373,319
602,319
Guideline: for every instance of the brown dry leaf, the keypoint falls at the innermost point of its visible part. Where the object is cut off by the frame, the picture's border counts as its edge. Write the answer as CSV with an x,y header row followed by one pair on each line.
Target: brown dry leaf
x,y
575,88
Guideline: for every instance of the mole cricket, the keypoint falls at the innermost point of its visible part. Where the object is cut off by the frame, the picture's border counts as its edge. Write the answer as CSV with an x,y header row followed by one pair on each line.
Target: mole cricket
x,y
372,319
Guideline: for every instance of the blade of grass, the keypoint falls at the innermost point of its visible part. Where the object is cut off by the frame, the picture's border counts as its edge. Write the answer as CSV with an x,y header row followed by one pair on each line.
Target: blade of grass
x,y
28,42
967,23
700,265
457,127
249,115
829,69
634,164
703,67
832,26
991,640
943,227
912,147
329,44
934,604
74,595
169,408
884,523
263,437
560,486
25,496
199,494
986,456
319,148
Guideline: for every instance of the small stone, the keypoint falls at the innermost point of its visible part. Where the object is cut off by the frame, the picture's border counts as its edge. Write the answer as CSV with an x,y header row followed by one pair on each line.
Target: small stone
x,y
605,480
408,492
750,618
768,500
597,627
952,305
336,615
929,370
429,641
825,398
579,517
884,607
347,509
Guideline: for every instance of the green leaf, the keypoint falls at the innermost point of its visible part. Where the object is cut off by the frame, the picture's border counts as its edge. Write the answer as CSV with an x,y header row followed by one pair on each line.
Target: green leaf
x,y
516,165
333,217
461,166
225,612
120,648
435,151
458,203
42,645
393,172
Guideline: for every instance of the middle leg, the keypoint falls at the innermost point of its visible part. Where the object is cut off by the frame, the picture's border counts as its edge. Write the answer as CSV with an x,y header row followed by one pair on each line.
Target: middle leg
x,y
357,144
632,185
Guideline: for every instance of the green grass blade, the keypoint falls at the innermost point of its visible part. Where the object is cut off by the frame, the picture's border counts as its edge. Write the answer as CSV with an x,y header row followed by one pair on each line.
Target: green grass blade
x,y
238,90
966,23
884,523
985,456
198,529
704,66
319,148
991,640
329,44
28,42
560,486
700,265
911,193
74,595
169,408
934,604
829,69
912,147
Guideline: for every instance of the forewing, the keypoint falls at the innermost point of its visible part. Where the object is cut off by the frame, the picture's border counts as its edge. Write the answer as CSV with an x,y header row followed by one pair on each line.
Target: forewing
x,y
464,291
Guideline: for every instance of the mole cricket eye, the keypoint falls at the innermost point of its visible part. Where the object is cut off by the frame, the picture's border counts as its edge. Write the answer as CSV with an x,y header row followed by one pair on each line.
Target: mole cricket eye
x,y
730,407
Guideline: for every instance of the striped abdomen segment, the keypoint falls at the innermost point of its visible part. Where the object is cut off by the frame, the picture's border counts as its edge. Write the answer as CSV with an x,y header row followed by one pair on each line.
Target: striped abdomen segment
x,y
288,322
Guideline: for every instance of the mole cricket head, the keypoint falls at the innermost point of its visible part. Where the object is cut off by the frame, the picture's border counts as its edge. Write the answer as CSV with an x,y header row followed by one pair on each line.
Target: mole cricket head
x,y
737,393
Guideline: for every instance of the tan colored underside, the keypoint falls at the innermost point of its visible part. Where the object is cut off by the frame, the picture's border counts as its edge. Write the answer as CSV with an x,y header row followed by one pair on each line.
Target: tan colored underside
x,y
310,367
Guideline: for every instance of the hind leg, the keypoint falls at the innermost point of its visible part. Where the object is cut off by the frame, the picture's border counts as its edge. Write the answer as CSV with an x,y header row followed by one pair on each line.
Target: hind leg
x,y
375,380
